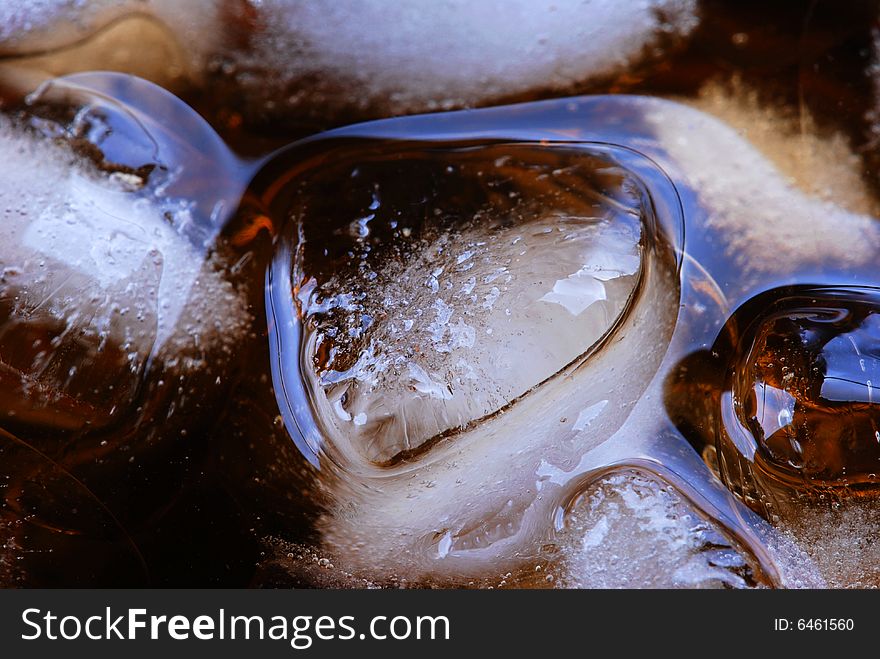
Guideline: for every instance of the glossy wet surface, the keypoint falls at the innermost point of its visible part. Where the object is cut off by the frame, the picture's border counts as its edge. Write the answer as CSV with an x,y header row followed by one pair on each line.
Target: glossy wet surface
x,y
504,347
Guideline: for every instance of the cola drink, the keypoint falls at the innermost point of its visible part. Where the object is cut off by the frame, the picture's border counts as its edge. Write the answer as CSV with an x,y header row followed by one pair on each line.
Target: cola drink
x,y
633,316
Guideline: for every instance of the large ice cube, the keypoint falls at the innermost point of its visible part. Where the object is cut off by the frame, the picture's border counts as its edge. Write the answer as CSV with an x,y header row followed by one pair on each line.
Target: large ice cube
x,y
478,499
430,309
466,319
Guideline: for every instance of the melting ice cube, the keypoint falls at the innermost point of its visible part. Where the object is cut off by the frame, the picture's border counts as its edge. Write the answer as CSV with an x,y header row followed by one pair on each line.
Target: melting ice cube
x,y
330,60
100,283
632,530
490,271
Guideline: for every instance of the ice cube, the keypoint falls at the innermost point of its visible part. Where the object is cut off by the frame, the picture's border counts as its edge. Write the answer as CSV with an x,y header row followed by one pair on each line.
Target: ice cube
x,y
356,59
501,289
328,60
97,287
799,418
480,389
632,530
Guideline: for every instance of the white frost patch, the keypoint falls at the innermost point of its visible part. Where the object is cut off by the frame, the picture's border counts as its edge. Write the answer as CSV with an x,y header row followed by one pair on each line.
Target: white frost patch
x,y
466,369
630,530
323,56
588,415
359,419
447,336
596,535
461,335
102,260
423,383
468,287
439,326
488,279
102,235
841,540
576,292
445,545
613,254
425,56
464,256
759,214
490,298
109,286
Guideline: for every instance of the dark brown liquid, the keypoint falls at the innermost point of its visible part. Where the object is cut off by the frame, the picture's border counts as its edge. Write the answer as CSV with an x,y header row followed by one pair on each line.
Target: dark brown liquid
x,y
176,476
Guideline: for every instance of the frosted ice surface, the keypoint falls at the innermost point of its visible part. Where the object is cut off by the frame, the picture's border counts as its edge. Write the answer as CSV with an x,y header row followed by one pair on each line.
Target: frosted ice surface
x,y
94,279
631,530
757,210
576,292
423,383
821,163
448,349
425,56
356,55
28,26
841,541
